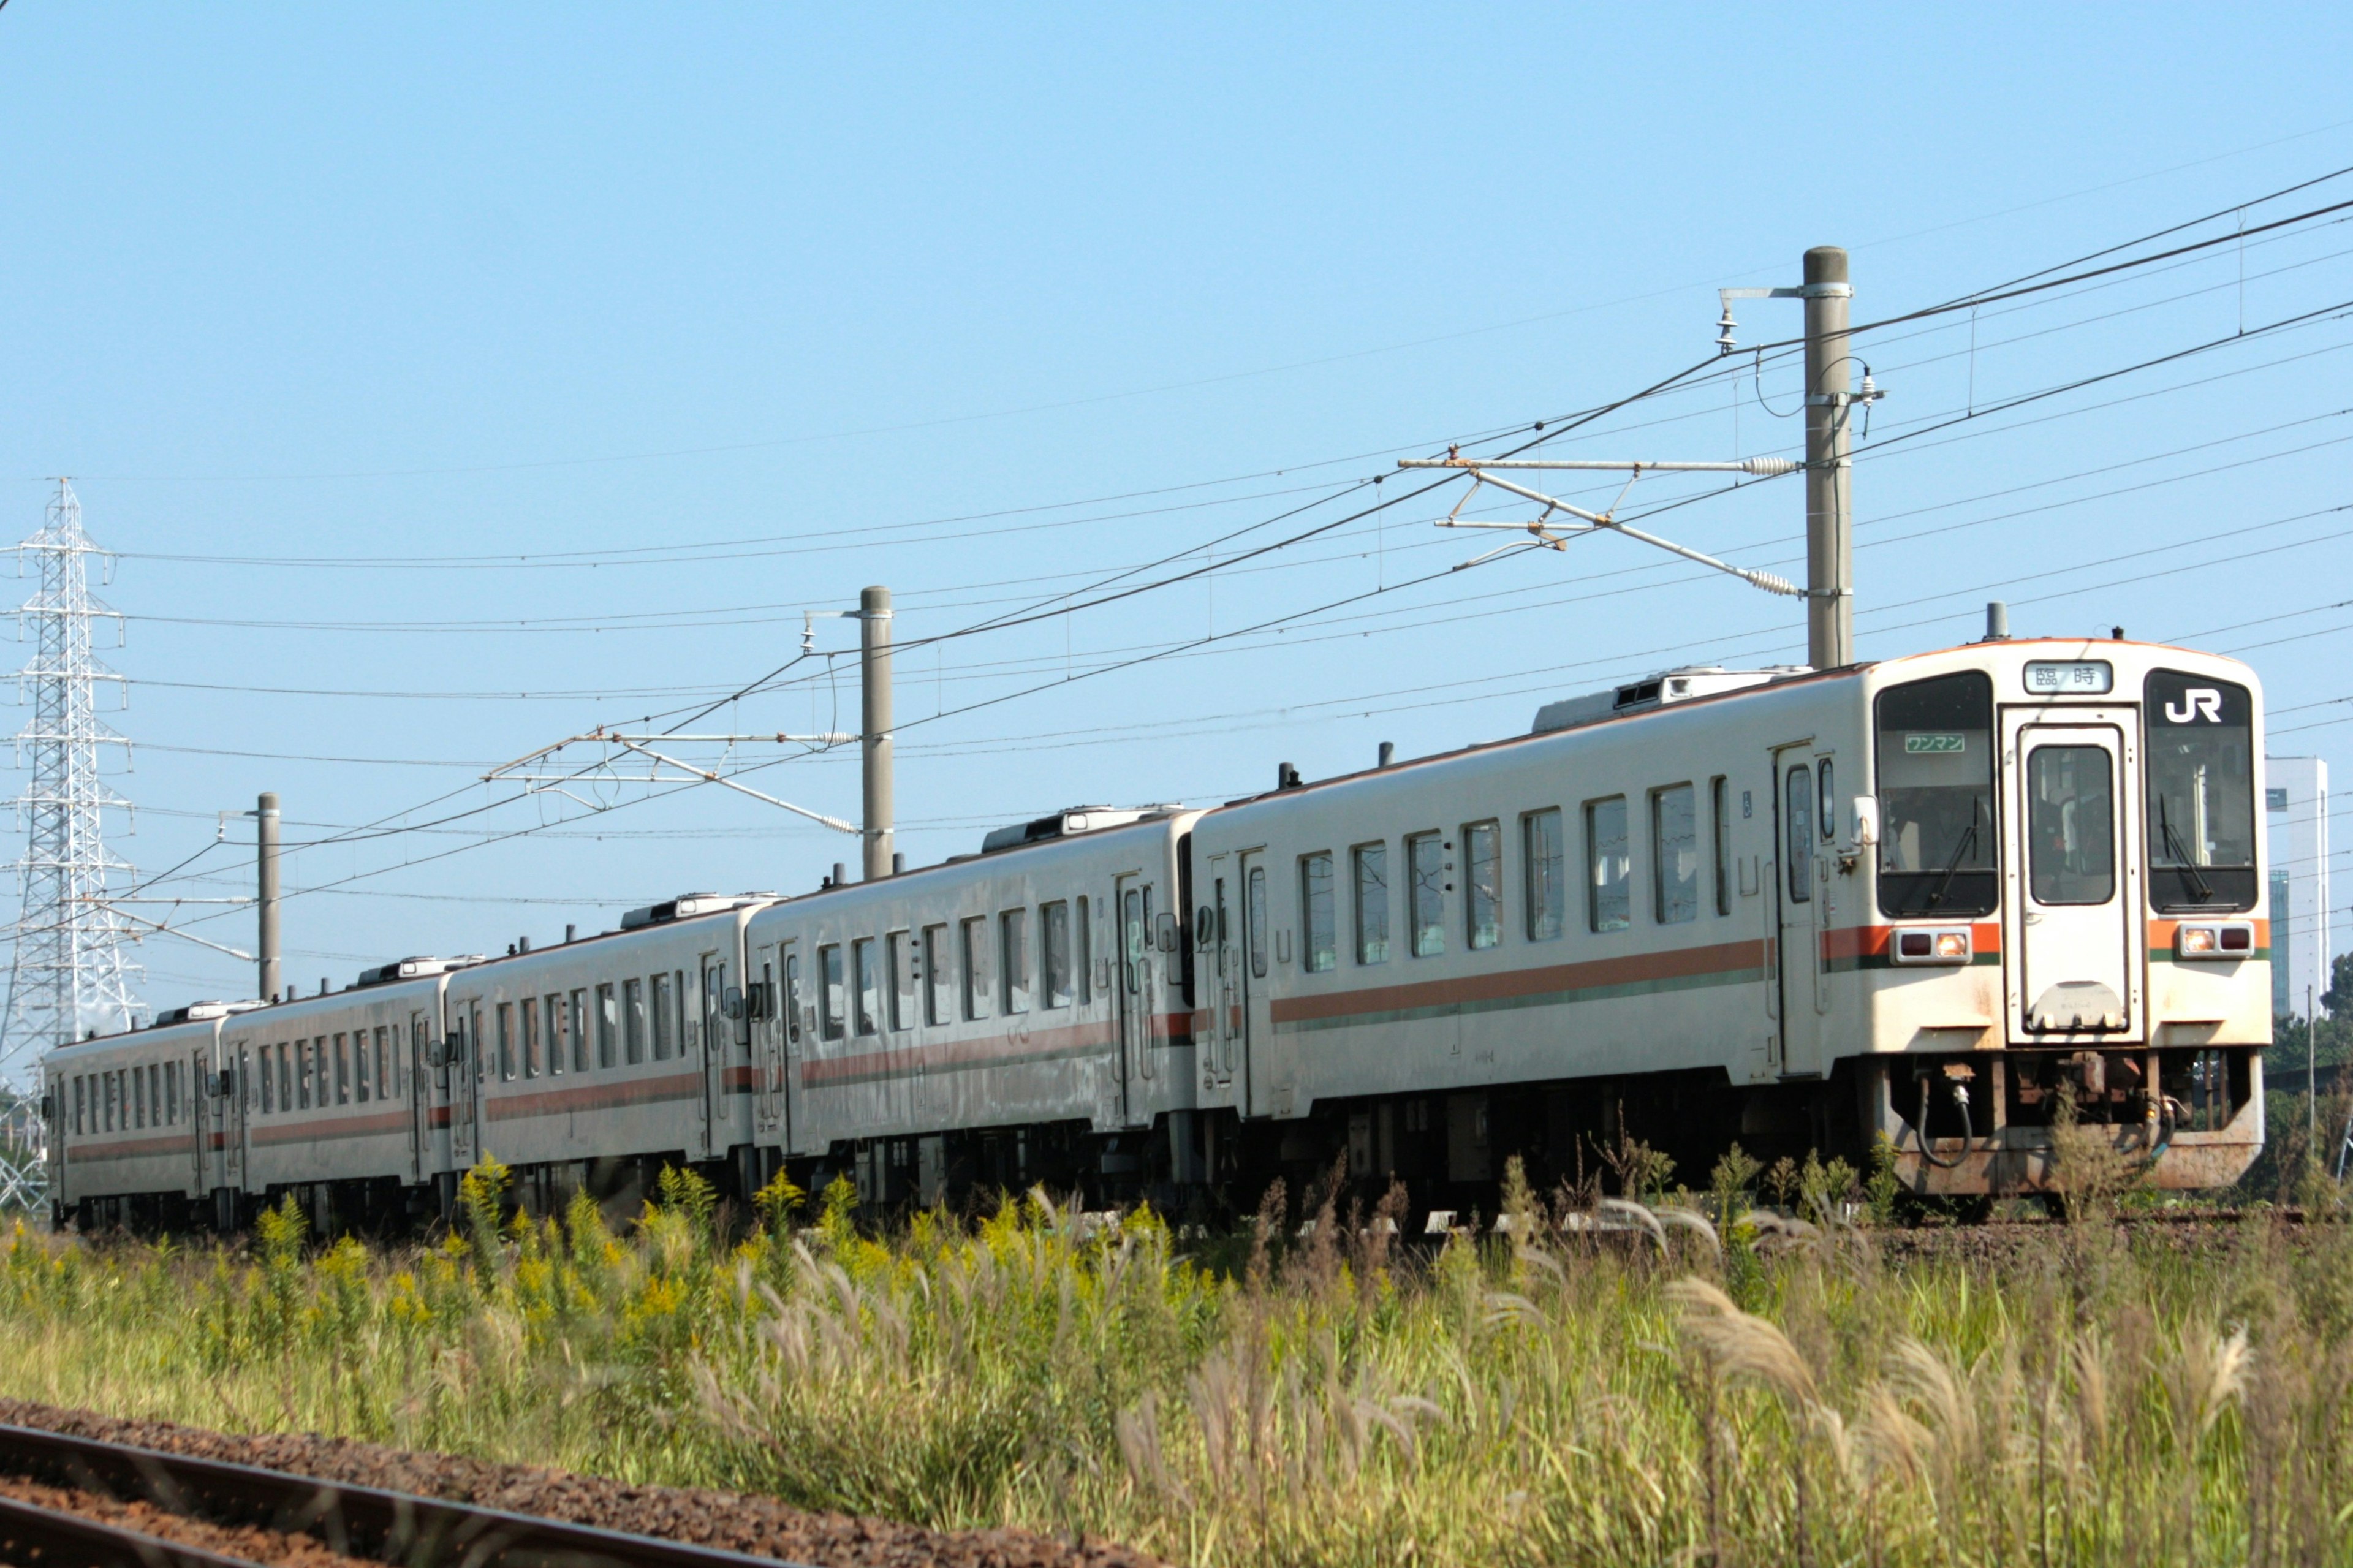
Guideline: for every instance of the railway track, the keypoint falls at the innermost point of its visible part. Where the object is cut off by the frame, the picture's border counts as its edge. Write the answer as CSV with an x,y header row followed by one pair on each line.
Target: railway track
x,y
347,1521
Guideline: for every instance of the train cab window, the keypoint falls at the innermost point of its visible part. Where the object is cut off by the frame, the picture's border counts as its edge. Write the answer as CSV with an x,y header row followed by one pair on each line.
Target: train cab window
x,y
899,951
1936,767
937,975
1721,833
833,1005
1013,960
1318,914
1425,864
1054,980
1799,802
662,1009
1371,863
974,936
1545,874
1608,866
1674,855
867,975
2202,792
1483,885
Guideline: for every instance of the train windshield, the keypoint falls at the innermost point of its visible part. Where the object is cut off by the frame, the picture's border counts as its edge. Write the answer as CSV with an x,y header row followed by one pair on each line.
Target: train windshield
x,y
2202,792
1937,832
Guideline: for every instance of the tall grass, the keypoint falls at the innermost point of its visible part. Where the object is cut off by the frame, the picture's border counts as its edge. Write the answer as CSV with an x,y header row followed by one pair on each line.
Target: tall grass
x,y
1653,1395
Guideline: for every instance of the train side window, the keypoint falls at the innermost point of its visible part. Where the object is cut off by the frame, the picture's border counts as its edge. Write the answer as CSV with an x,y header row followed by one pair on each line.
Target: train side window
x,y
1483,885
1083,940
1013,960
285,1075
1425,862
1674,855
268,1084
1054,954
1545,874
1371,862
172,1094
1608,866
79,1099
1828,812
1799,802
1720,831
633,1020
506,1042
361,1077
900,953
343,1070
582,1028
559,1031
868,982
661,1001
383,1062
936,975
530,1006
301,1074
1318,920
975,966
138,1099
793,996
833,1006
608,1025
1254,914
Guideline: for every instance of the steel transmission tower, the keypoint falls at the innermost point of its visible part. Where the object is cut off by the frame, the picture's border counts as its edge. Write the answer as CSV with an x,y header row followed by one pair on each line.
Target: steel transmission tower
x,y
68,974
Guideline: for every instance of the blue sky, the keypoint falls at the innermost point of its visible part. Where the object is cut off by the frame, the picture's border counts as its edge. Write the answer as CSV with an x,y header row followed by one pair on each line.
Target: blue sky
x,y
417,358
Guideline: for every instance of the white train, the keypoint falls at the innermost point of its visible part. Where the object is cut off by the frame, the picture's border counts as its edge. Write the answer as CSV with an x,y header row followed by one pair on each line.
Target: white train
x,y
1941,899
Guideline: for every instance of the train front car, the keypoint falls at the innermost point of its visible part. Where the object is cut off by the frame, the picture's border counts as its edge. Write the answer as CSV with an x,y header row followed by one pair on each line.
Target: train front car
x,y
1951,900
2066,916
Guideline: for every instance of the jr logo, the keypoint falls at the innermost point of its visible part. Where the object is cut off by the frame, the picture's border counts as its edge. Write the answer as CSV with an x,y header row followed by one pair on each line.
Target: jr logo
x,y
2199,704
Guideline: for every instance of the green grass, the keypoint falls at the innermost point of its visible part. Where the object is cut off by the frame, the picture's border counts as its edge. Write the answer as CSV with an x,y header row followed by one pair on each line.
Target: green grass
x,y
2091,1396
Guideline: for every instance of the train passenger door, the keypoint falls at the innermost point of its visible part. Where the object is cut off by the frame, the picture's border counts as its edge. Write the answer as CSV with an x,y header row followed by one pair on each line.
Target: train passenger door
x,y
718,1045
463,1059
200,1125
420,1099
2073,887
1801,804
1132,897
768,1043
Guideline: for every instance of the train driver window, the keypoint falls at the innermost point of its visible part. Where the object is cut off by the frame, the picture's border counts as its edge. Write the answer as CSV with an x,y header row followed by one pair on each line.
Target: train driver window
x,y
1547,874
1317,913
1013,960
975,933
1936,763
1799,802
1674,855
833,1006
1371,862
936,975
1425,864
1608,864
1054,954
2202,792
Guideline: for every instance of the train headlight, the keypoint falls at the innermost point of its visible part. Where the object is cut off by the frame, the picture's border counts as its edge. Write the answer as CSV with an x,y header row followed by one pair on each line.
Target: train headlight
x,y
2214,940
1919,944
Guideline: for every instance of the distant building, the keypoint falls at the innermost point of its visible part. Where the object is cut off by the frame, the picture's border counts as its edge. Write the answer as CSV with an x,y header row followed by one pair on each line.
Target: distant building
x,y
2296,811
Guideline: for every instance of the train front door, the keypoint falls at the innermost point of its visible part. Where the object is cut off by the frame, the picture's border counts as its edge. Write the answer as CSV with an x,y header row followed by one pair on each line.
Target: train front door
x,y
2071,889
1131,896
1805,813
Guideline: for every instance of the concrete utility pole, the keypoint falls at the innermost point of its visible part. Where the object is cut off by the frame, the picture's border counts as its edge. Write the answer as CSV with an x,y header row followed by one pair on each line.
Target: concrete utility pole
x,y
266,946
1830,474
874,683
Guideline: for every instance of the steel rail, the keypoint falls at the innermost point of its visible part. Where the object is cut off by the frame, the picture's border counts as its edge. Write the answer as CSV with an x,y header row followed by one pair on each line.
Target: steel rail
x,y
369,1521
56,1538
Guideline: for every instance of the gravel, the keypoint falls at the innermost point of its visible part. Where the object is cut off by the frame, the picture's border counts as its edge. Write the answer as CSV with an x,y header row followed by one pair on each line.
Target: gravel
x,y
271,1548
729,1521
